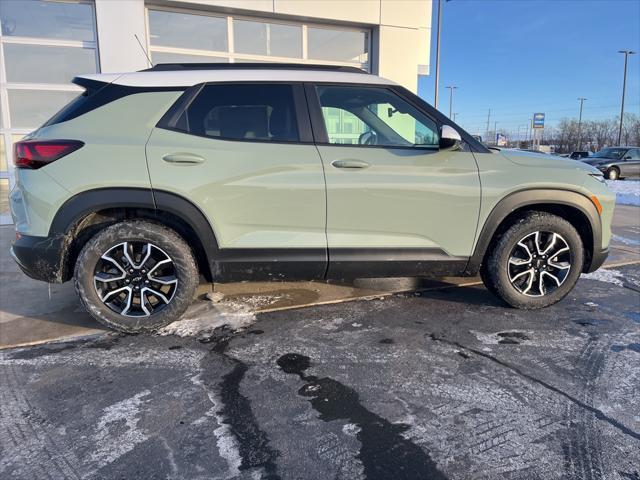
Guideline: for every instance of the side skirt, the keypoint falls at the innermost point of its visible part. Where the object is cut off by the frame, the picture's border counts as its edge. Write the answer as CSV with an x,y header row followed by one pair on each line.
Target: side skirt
x,y
237,264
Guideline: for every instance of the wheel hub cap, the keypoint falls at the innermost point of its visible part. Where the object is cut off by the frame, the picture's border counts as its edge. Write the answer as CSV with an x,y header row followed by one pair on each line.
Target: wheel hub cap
x,y
539,263
135,279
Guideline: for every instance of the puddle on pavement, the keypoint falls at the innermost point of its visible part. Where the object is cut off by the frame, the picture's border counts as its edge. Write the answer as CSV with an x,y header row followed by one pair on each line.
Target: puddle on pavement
x,y
511,337
634,347
384,451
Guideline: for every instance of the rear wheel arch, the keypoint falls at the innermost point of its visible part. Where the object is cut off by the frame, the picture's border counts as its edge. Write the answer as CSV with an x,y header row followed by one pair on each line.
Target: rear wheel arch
x,y
574,207
87,213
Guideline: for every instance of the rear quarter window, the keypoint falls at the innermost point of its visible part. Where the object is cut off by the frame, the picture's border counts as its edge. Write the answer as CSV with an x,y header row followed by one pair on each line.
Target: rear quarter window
x,y
255,112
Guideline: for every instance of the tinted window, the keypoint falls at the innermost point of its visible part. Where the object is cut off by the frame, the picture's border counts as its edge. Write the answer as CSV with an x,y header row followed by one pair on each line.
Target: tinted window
x,y
243,112
374,116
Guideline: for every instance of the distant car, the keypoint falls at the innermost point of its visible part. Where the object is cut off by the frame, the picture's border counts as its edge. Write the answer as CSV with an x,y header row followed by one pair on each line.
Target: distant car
x,y
578,155
616,162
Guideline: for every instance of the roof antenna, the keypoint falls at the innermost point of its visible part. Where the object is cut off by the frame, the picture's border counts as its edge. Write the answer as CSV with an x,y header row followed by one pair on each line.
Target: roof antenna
x,y
143,50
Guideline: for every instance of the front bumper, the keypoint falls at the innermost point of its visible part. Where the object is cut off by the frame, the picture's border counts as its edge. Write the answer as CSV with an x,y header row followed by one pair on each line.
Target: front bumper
x,y
597,260
40,258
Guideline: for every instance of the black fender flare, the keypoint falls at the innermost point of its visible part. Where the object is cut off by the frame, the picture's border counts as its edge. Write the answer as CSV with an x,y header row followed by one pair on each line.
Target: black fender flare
x,y
525,198
84,203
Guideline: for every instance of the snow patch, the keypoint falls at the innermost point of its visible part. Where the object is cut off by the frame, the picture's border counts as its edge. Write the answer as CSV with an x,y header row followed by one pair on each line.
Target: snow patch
x,y
112,447
228,446
202,318
605,275
627,191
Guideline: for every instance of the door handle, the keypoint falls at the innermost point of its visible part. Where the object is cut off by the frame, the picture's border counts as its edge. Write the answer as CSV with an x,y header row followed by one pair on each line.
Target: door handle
x,y
349,163
183,158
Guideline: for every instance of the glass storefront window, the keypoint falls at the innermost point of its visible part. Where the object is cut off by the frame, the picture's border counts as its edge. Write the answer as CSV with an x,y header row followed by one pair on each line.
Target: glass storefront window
x,y
182,30
29,109
269,39
165,57
47,64
47,19
3,156
338,45
189,37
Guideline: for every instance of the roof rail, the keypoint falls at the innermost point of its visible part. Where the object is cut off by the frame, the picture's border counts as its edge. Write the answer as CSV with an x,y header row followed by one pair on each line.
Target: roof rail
x,y
167,67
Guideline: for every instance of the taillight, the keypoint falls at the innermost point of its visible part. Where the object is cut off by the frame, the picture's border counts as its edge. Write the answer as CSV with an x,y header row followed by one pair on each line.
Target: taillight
x,y
38,153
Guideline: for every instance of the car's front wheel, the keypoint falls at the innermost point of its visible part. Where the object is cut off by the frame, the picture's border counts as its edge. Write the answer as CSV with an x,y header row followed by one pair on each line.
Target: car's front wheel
x,y
612,174
536,261
136,276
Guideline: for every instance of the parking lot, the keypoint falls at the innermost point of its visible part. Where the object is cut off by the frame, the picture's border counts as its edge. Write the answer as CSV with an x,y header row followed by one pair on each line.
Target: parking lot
x,y
441,381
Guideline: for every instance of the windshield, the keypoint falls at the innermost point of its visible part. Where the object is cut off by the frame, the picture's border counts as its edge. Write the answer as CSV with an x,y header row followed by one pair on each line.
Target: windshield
x,y
610,153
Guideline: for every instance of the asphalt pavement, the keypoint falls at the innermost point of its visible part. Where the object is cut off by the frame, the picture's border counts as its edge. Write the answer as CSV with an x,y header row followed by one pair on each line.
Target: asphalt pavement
x,y
440,384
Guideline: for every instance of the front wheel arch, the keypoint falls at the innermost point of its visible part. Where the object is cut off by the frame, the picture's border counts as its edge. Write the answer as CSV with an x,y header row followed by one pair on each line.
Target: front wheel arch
x,y
571,206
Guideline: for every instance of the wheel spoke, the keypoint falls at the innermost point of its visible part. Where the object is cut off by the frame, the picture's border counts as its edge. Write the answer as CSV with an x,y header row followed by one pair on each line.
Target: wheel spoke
x,y
168,280
532,276
126,254
129,299
155,293
113,292
161,262
547,274
560,265
107,277
554,237
522,274
521,244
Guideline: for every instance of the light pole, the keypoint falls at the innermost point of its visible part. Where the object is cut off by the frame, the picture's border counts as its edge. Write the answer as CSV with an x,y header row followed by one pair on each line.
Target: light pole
x,y
624,87
519,127
451,89
580,123
435,100
454,116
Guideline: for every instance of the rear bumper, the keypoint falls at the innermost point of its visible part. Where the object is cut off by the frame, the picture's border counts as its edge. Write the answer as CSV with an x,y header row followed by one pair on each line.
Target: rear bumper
x,y
597,260
39,257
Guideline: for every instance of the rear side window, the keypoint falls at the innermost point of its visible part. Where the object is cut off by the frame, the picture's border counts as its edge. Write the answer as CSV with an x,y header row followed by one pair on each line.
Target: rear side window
x,y
242,112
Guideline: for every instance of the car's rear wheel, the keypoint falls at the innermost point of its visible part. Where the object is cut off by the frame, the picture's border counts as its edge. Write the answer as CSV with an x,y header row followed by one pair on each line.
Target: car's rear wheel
x,y
612,174
136,276
536,262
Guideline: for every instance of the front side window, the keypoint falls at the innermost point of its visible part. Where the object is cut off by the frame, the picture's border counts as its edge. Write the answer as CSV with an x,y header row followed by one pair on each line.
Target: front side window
x,y
242,112
374,116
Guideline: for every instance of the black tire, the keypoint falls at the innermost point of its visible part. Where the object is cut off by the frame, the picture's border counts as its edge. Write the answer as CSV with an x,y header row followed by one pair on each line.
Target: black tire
x,y
612,174
137,232
495,272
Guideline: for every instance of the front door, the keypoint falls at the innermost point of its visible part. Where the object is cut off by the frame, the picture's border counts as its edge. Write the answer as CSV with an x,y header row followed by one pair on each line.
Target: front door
x,y
631,163
243,154
396,203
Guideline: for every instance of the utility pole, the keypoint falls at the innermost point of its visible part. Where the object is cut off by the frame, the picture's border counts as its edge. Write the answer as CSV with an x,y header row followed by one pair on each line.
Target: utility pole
x,y
435,100
580,123
451,89
488,120
624,87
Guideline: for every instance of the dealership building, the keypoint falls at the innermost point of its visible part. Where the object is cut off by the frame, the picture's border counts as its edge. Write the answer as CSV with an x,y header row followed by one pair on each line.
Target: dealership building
x,y
45,43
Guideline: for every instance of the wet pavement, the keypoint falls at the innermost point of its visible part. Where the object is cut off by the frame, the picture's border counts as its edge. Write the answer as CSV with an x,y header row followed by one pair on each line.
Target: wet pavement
x,y
447,384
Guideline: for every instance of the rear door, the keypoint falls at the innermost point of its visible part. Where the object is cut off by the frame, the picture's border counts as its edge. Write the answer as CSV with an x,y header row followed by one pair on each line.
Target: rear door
x,y
243,154
396,203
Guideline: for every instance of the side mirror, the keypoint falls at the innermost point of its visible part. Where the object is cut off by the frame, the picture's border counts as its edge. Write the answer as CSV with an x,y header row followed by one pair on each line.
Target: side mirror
x,y
450,138
628,157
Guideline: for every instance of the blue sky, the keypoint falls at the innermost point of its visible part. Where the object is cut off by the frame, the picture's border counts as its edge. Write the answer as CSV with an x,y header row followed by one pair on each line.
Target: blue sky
x,y
518,57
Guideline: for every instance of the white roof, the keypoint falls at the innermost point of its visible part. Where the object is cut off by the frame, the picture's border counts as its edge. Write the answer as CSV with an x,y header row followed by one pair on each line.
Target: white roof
x,y
187,78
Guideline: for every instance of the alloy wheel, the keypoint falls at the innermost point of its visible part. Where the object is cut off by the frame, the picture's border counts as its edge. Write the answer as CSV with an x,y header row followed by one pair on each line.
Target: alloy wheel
x,y
135,279
539,263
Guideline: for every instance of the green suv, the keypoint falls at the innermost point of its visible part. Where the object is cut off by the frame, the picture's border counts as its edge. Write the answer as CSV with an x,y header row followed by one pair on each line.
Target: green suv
x,y
150,180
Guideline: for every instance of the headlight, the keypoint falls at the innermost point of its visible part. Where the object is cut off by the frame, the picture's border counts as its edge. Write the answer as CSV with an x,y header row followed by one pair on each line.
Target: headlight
x,y
599,177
